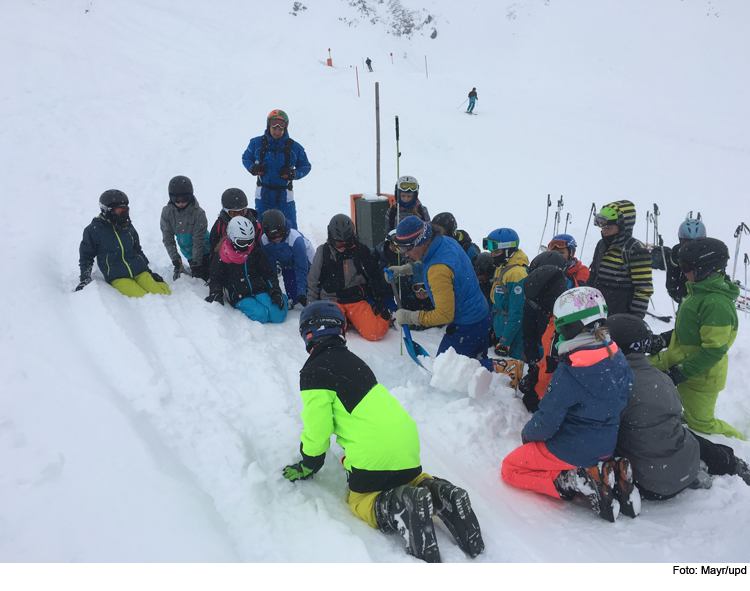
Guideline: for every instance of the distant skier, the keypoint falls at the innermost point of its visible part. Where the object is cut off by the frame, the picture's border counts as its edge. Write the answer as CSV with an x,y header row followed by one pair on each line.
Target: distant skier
x,y
111,239
368,61
473,98
387,487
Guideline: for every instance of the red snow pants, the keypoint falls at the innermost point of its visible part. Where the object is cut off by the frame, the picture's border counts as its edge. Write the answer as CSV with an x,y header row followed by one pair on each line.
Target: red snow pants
x,y
371,326
533,467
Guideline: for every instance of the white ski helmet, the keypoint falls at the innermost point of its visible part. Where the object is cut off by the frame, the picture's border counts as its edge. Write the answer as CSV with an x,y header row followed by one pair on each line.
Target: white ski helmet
x,y
241,232
576,308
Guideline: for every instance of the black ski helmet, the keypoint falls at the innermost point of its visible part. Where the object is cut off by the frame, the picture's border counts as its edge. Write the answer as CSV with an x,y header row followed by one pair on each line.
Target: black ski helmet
x,y
273,223
111,200
179,186
446,221
341,229
632,334
483,266
234,200
703,256
549,257
544,285
321,320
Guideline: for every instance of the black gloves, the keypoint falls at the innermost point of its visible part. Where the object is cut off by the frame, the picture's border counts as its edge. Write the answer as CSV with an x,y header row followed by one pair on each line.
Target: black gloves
x,y
659,342
527,383
676,375
216,296
198,270
380,309
158,278
301,300
177,269
84,281
277,298
258,169
287,173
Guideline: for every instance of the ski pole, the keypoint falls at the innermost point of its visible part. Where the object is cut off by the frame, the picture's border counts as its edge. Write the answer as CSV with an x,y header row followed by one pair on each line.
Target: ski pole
x,y
462,104
546,217
398,153
662,318
593,209
567,219
738,235
558,215
656,223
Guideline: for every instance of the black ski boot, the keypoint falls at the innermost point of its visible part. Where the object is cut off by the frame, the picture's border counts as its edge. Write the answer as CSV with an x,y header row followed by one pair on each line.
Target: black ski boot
x,y
408,511
453,507
566,484
626,492
742,470
596,482
703,479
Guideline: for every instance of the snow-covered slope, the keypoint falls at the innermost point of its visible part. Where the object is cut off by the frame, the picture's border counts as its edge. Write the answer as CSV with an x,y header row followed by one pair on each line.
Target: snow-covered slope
x,y
156,429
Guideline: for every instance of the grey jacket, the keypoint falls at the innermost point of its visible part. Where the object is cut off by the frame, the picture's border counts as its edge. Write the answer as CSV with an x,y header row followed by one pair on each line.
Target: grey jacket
x,y
664,454
189,227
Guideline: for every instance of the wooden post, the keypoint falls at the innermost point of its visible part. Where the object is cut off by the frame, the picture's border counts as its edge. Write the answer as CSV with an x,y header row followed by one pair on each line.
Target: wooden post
x,y
377,137
391,58
330,61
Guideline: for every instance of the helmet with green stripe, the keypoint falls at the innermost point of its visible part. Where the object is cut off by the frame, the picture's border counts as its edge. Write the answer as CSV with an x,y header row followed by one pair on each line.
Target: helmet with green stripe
x,y
578,308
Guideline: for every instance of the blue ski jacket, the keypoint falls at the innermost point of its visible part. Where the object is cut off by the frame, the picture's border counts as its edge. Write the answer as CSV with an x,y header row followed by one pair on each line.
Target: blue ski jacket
x,y
272,189
295,252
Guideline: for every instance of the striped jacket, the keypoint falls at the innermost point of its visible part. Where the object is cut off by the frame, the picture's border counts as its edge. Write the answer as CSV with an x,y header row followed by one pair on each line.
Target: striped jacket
x,y
621,268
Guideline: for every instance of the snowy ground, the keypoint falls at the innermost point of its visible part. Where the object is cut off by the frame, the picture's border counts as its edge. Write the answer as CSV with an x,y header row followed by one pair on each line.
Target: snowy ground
x,y
155,430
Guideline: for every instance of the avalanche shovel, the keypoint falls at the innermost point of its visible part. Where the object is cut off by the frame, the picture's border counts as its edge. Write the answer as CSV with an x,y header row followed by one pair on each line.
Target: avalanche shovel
x,y
413,349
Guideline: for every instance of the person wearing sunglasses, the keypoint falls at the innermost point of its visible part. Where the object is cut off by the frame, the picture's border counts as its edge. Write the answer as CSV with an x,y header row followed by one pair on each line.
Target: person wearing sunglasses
x,y
291,251
276,160
183,220
621,268
577,273
111,239
705,328
452,285
407,203
233,204
345,271
507,291
242,269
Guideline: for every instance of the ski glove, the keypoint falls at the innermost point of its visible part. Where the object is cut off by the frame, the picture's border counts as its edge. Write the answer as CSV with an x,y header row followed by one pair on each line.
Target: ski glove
x,y
215,296
84,281
277,298
400,271
287,173
177,269
659,342
502,349
527,383
380,309
301,300
407,317
676,375
196,270
298,471
258,169
158,278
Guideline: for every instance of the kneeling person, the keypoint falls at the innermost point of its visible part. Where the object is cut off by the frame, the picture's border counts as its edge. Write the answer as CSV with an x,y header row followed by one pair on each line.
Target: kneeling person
x,y
387,487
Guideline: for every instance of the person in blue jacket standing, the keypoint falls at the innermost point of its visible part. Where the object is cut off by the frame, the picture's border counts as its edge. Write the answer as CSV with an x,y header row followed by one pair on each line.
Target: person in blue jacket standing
x,y
291,250
453,288
276,160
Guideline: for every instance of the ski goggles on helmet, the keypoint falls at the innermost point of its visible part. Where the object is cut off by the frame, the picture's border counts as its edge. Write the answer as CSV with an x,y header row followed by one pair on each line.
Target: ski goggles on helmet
x,y
342,243
606,217
493,245
419,288
180,198
275,235
118,209
233,213
557,243
408,186
684,267
278,123
244,243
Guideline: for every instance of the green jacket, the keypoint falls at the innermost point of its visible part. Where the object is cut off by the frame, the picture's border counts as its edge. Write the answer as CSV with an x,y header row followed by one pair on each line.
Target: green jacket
x,y
705,328
341,396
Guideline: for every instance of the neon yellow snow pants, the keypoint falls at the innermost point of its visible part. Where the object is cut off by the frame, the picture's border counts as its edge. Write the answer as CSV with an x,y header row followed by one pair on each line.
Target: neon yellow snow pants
x,y
140,285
